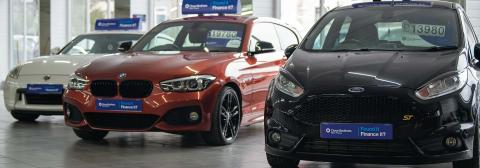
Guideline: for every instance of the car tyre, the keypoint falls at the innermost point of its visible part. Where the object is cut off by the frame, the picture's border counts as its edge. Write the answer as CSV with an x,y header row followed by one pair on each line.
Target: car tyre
x,y
280,162
226,119
91,135
474,162
25,117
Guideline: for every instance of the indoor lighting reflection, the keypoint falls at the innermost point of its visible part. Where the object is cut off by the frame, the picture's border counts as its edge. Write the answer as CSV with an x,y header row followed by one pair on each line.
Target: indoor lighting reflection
x,y
375,77
191,69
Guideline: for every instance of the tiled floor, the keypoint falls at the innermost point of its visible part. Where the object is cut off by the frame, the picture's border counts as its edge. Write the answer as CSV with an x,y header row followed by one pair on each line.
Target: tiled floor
x,y
49,143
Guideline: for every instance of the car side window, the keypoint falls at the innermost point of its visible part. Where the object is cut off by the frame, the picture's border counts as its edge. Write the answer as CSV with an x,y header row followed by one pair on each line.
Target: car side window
x,y
82,48
263,32
286,36
165,37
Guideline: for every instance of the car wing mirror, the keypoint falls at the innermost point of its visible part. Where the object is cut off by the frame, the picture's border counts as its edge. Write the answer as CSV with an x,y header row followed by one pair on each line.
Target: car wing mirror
x,y
262,47
125,46
55,51
290,49
476,53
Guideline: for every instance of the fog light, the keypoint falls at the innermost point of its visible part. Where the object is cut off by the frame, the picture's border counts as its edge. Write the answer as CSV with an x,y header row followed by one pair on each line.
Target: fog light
x,y
451,142
275,137
193,116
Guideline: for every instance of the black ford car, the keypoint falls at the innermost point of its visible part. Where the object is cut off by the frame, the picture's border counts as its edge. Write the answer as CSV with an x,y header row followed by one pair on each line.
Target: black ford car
x,y
379,82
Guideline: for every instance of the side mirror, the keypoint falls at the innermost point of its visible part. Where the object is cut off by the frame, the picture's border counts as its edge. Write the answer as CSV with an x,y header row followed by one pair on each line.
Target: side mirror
x,y
262,47
290,49
476,53
55,51
125,46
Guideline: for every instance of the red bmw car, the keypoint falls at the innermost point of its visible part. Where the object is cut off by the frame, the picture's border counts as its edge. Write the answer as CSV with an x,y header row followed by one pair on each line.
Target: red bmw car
x,y
207,74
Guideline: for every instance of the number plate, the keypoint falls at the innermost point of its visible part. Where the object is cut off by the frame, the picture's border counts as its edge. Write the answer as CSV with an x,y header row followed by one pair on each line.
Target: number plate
x,y
44,88
119,105
356,131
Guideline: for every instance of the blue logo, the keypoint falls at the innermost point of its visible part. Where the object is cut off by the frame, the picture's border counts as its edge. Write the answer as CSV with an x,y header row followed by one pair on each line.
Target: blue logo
x,y
118,24
210,6
356,131
119,105
45,88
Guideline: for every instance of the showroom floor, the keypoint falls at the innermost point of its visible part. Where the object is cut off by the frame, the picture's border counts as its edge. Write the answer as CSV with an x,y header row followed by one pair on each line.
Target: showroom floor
x,y
49,143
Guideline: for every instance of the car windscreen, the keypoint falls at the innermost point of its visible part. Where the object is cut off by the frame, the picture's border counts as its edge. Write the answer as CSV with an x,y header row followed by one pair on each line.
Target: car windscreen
x,y
386,28
97,44
193,36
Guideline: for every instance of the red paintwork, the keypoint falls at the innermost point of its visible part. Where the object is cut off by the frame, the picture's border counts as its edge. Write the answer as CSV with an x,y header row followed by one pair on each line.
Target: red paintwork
x,y
250,74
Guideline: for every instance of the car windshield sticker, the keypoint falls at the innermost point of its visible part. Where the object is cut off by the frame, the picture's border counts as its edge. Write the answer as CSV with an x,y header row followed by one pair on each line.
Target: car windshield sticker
x,y
432,34
424,29
224,39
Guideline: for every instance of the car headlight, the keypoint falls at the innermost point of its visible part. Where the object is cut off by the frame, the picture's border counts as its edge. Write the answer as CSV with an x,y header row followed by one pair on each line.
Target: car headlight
x,y
187,84
288,87
442,86
77,83
14,73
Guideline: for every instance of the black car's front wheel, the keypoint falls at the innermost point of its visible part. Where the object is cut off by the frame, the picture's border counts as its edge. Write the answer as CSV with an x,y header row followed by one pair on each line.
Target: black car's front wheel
x,y
91,135
226,119
280,162
474,162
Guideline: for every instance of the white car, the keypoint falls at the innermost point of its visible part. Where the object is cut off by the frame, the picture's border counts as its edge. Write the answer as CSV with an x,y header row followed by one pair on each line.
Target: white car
x,y
35,88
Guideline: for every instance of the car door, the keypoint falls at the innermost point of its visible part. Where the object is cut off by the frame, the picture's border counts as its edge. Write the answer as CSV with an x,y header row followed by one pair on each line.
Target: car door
x,y
268,64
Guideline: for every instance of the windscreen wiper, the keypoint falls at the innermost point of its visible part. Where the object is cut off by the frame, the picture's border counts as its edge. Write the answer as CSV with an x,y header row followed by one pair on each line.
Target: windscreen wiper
x,y
441,48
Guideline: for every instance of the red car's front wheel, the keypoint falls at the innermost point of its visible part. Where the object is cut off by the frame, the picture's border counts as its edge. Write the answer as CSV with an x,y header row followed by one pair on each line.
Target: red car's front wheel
x,y
226,119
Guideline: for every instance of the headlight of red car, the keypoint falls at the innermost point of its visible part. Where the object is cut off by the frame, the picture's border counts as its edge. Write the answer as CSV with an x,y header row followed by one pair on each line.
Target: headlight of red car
x,y
77,83
187,84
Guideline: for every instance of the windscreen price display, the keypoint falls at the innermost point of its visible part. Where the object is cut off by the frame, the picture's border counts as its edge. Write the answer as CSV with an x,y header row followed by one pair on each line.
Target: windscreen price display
x,y
223,34
424,29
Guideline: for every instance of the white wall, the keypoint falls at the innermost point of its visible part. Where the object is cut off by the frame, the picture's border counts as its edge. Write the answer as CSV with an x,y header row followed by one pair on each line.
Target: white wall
x,y
141,7
4,48
264,8
473,12
58,23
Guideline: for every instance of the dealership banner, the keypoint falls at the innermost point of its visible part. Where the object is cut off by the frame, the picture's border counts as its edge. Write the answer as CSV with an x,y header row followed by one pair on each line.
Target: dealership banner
x,y
118,24
211,6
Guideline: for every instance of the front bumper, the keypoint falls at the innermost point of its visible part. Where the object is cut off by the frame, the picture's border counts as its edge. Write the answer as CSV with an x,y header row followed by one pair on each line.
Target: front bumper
x,y
15,98
416,140
400,160
158,108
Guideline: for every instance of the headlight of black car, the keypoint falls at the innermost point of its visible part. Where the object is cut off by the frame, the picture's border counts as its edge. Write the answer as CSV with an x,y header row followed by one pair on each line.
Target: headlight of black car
x,y
14,73
187,84
443,86
288,87
77,83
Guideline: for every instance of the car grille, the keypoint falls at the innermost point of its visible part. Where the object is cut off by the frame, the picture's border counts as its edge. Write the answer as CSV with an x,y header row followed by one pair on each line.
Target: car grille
x,y
104,88
44,99
136,89
127,89
349,109
120,121
371,148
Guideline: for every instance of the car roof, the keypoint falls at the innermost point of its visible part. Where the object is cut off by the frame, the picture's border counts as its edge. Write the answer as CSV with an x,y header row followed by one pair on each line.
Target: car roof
x,y
435,4
113,32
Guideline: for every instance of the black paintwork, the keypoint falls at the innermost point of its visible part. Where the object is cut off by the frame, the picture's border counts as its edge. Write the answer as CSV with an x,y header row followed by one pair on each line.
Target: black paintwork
x,y
393,75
